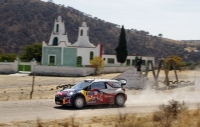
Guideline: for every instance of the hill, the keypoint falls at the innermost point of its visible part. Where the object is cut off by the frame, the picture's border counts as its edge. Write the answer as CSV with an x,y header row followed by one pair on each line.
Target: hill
x,y
28,21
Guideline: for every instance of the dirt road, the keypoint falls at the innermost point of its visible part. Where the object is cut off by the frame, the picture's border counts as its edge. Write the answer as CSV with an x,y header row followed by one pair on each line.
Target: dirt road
x,y
47,110
138,102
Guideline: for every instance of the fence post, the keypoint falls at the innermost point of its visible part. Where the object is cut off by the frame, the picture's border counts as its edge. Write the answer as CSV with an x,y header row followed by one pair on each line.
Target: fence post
x,y
32,90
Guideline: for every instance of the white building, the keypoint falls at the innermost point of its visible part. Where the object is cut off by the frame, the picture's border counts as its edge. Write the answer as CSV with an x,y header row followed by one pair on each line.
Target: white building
x,y
60,52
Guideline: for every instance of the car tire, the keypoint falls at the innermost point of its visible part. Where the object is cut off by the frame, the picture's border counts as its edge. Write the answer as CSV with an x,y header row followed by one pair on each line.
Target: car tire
x,y
79,102
119,100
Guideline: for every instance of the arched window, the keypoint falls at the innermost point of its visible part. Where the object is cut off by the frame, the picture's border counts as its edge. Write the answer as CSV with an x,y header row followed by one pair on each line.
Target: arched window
x,y
91,55
81,32
57,28
55,41
79,61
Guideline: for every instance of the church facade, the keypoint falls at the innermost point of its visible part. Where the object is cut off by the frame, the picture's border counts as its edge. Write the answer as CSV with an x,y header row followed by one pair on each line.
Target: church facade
x,y
60,52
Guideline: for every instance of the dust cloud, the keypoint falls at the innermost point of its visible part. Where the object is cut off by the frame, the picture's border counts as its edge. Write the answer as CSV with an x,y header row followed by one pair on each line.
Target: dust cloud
x,y
188,93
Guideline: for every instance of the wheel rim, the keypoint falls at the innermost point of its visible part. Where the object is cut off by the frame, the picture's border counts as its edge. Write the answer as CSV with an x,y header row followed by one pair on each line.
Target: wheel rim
x,y
120,100
79,102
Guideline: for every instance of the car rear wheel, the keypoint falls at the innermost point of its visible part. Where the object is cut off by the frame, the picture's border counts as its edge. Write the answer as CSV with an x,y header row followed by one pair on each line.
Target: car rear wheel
x,y
120,100
79,102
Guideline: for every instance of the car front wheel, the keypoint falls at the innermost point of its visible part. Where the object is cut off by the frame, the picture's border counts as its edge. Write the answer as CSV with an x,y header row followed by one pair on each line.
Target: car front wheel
x,y
79,102
120,100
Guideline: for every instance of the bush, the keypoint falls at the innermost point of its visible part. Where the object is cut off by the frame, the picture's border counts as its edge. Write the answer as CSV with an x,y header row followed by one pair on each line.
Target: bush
x,y
168,113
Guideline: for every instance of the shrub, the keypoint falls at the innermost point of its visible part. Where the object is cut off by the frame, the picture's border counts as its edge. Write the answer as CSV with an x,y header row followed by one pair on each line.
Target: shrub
x,y
168,113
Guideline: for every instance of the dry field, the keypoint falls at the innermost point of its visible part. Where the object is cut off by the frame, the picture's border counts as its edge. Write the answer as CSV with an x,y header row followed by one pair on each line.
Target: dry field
x,y
18,87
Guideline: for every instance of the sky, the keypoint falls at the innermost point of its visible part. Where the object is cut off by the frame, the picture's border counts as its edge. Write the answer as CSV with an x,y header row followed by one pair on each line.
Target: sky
x,y
174,19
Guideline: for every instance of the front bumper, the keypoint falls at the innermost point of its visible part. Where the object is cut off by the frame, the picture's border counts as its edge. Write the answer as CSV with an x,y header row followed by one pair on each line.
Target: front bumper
x,y
60,100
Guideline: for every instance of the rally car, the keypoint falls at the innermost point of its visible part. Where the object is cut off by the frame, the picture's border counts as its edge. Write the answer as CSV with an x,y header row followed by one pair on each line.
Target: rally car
x,y
93,92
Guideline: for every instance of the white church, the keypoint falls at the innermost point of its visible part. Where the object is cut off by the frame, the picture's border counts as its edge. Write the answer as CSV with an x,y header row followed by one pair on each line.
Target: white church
x,y
60,52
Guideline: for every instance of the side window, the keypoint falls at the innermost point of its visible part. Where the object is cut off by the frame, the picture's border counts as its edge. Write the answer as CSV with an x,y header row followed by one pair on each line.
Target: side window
x,y
91,55
143,62
57,28
133,62
79,61
111,60
128,62
114,84
98,85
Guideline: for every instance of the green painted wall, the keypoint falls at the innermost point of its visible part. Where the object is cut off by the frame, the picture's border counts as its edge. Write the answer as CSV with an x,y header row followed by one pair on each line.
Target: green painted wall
x,y
51,51
69,57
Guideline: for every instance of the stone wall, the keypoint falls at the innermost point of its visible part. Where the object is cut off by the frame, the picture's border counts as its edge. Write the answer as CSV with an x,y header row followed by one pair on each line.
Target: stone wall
x,y
8,67
73,71
12,67
62,71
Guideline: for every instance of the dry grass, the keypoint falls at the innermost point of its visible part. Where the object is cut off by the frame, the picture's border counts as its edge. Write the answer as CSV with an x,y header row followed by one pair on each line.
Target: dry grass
x,y
23,93
186,118
19,87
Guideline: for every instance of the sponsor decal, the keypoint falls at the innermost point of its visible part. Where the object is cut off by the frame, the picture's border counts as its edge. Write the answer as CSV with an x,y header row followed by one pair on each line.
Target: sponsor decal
x,y
108,96
65,100
92,101
95,95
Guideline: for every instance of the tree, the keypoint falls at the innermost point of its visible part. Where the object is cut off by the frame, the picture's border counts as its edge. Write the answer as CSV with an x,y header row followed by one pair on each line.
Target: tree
x,y
32,51
160,35
97,63
121,49
7,57
178,61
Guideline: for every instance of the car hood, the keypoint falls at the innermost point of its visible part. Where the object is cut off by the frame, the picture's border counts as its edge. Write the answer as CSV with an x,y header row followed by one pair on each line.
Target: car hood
x,y
69,90
65,91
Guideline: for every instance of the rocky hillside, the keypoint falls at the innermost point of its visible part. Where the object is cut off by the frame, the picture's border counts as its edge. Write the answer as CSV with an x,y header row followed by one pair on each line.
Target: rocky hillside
x,y
28,21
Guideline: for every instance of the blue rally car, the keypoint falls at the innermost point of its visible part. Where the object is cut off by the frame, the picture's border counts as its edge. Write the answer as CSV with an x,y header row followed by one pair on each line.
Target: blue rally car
x,y
93,92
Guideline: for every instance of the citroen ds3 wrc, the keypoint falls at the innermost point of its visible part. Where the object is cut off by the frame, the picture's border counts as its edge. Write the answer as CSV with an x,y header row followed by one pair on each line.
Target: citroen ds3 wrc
x,y
93,92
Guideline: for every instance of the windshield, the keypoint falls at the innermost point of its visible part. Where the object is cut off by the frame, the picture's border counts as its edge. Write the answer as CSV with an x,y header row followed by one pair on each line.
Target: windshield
x,y
81,85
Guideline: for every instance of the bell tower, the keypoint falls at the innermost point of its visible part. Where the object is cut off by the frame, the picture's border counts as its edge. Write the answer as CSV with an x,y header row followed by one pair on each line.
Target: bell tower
x,y
83,37
59,35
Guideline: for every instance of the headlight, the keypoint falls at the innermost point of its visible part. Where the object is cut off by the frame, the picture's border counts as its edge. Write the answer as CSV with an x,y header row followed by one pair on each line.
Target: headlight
x,y
70,93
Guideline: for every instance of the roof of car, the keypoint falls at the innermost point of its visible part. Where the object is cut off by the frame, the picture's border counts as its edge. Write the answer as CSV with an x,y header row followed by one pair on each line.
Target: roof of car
x,y
100,80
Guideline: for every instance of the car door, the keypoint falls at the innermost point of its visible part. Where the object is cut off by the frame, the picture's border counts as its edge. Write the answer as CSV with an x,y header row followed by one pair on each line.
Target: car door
x,y
111,91
96,93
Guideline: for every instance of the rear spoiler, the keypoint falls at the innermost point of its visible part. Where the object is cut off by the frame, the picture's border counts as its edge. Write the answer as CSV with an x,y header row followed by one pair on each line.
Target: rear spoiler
x,y
122,81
